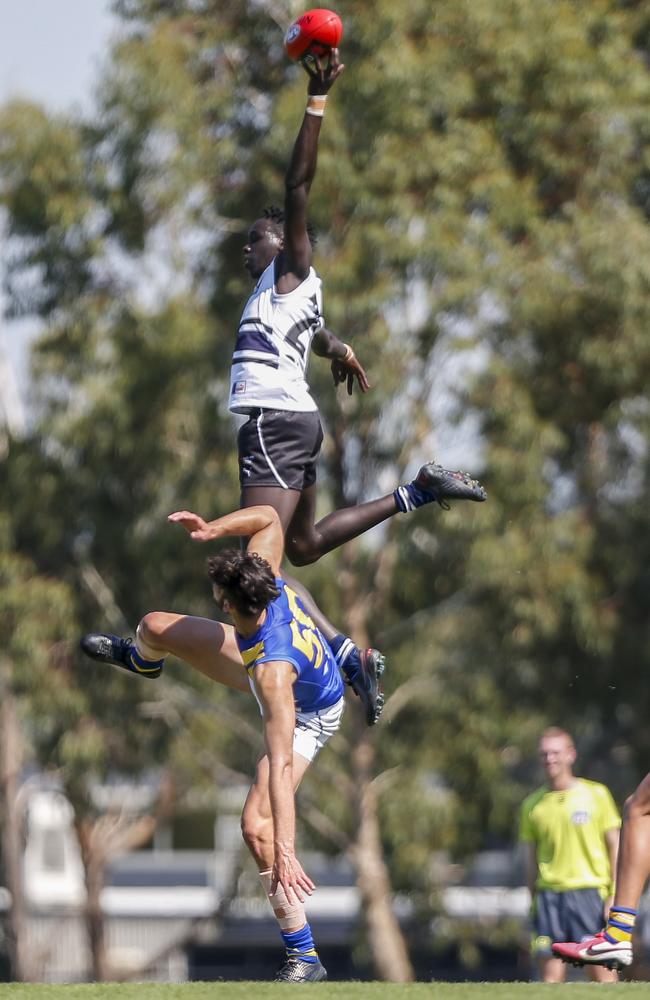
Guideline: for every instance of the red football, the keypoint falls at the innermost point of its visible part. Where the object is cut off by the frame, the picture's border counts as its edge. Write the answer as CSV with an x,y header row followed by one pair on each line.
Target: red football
x,y
316,31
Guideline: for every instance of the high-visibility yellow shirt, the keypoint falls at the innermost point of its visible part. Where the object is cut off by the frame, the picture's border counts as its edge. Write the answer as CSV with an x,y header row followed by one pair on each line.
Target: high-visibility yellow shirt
x,y
568,829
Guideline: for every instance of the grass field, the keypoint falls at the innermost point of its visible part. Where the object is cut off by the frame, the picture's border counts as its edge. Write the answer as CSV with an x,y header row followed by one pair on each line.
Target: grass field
x,y
340,991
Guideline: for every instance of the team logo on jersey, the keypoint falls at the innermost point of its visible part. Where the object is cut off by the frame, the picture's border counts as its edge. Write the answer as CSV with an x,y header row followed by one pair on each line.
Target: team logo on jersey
x,y
580,817
239,387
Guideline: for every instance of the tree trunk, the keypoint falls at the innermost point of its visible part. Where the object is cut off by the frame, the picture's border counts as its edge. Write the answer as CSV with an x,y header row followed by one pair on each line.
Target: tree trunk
x,y
93,859
12,846
100,839
95,924
385,938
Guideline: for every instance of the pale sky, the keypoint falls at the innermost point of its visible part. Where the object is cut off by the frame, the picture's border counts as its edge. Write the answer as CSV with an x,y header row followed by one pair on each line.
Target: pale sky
x,y
51,51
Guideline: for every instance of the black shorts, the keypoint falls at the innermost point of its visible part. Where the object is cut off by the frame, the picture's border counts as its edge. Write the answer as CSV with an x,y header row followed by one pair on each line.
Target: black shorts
x,y
279,448
566,916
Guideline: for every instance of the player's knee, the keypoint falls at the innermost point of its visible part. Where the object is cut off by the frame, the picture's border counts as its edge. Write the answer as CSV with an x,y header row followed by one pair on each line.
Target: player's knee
x,y
151,627
637,805
256,834
300,553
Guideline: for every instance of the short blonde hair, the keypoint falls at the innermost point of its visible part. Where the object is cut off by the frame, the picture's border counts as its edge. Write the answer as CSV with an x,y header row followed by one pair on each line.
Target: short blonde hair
x,y
555,731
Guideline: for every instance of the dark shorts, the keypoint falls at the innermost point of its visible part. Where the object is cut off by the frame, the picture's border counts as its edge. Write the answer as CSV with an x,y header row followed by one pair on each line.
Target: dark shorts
x,y
279,448
566,916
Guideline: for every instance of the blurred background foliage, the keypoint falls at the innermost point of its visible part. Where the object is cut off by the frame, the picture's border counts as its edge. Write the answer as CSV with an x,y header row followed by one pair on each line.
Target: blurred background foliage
x,y
482,199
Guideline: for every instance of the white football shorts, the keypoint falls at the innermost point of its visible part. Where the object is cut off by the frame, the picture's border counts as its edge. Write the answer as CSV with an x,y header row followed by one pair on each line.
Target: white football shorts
x,y
313,729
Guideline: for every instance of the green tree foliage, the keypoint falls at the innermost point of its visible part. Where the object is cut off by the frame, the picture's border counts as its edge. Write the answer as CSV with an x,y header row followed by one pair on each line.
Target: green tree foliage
x,y
35,621
560,567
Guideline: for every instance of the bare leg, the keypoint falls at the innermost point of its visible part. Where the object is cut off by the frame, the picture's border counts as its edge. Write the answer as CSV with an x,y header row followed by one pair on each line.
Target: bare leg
x,y
285,502
306,542
551,970
257,819
633,865
600,974
206,645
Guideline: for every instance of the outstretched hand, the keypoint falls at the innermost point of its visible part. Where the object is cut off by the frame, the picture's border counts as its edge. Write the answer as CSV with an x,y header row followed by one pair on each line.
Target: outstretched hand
x,y
288,873
194,525
350,369
322,71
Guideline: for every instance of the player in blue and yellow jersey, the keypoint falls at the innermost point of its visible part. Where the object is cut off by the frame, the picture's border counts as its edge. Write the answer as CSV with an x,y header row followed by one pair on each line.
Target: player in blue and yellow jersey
x,y
275,647
289,634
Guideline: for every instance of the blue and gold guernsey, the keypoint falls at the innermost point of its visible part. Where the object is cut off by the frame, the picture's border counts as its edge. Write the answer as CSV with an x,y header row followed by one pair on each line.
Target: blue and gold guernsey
x,y
288,634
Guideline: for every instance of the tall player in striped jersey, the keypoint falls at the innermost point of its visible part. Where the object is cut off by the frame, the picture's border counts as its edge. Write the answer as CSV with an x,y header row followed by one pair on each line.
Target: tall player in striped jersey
x,y
294,678
280,441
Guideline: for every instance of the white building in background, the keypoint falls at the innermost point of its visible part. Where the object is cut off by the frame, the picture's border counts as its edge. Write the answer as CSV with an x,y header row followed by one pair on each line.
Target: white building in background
x,y
53,873
154,900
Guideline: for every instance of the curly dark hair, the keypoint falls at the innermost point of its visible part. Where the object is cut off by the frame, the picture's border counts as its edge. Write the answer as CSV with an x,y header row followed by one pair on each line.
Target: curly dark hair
x,y
246,579
276,215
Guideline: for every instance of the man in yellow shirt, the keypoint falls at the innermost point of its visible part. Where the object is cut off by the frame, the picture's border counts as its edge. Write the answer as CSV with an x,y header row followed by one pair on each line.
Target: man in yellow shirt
x,y
571,829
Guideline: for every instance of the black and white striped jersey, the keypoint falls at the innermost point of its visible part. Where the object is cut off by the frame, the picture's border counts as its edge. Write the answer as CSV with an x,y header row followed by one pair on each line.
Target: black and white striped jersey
x,y
269,363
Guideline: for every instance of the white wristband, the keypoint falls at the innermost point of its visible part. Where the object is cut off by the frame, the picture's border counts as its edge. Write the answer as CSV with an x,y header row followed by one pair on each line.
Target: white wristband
x,y
316,105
